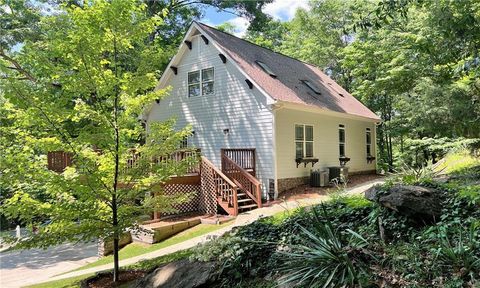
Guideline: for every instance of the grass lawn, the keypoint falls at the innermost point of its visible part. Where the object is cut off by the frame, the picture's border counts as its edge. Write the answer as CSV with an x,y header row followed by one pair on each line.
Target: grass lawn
x,y
136,249
64,283
455,162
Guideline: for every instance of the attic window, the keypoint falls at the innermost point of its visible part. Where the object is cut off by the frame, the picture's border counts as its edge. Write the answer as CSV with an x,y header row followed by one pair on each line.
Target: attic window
x,y
312,86
266,68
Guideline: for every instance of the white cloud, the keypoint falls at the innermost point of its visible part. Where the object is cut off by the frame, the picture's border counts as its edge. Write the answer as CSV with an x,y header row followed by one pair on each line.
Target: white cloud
x,y
279,9
285,9
241,25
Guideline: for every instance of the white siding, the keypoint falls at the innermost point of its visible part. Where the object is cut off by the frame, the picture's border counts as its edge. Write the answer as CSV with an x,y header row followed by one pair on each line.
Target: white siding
x,y
325,133
245,112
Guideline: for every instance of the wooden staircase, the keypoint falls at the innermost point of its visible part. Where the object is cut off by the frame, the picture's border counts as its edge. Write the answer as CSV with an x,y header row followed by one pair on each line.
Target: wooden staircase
x,y
236,189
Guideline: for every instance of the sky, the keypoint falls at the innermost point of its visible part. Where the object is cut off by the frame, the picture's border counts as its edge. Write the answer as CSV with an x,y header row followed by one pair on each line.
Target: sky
x,y
283,10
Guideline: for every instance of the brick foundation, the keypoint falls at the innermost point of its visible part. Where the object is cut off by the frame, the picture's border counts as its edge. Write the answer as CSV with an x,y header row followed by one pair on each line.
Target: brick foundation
x,y
366,172
289,183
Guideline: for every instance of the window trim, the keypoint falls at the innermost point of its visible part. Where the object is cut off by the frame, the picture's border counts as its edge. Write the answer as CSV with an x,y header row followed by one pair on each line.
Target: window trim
x,y
340,143
201,82
209,81
368,146
304,141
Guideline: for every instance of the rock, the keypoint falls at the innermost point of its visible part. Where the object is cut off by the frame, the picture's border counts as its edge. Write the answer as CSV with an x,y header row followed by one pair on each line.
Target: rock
x,y
180,274
418,202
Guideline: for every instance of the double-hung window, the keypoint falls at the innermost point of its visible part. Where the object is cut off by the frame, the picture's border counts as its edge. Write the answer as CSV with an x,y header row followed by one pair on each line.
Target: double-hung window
x,y
303,141
207,81
201,82
368,141
341,140
194,83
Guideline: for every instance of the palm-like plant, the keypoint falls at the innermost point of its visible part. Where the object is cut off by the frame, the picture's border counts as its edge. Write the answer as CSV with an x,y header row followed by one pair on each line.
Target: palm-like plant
x,y
460,252
325,258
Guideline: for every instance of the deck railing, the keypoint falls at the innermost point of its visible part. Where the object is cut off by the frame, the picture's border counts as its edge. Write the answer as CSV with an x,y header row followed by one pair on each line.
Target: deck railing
x,y
245,181
214,180
59,160
244,157
191,155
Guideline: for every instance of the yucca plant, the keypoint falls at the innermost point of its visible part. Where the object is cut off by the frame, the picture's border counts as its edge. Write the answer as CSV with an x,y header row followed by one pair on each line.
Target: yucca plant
x,y
325,258
415,174
460,251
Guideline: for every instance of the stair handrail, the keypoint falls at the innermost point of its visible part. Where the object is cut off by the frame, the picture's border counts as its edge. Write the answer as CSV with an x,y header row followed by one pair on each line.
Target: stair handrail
x,y
255,195
234,187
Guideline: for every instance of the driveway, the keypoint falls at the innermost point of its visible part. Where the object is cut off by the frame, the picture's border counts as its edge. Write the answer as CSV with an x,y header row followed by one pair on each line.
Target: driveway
x,y
21,268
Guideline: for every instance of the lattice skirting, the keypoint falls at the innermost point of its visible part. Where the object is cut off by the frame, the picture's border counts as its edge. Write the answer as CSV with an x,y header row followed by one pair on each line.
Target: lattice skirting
x,y
191,206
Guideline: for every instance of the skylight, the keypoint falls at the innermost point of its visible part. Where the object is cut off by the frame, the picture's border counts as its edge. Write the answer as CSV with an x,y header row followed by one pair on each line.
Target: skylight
x,y
312,86
266,68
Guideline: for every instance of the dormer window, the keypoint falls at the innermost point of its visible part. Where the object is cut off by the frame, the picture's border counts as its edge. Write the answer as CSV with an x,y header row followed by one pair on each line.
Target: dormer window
x,y
312,86
266,69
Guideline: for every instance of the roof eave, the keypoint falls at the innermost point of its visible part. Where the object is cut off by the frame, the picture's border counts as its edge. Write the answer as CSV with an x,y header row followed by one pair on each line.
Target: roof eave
x,y
316,109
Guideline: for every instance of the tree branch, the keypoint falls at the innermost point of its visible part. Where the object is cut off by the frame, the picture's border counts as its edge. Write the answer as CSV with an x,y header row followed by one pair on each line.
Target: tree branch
x,y
17,66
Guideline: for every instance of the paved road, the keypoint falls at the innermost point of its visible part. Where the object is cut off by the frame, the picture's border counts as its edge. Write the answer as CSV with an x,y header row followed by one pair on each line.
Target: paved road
x,y
21,268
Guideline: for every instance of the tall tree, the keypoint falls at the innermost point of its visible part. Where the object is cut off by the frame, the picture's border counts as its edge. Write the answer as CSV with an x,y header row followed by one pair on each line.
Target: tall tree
x,y
80,89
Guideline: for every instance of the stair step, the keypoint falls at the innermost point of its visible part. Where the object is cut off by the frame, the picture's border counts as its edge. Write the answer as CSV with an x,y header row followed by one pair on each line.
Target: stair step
x,y
247,206
241,194
244,200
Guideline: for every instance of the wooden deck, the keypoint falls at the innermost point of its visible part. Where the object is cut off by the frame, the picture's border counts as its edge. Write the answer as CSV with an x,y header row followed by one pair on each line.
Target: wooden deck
x,y
233,187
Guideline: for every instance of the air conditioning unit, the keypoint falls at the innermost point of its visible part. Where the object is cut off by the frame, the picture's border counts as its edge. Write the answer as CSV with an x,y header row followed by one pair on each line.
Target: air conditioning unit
x,y
319,178
339,173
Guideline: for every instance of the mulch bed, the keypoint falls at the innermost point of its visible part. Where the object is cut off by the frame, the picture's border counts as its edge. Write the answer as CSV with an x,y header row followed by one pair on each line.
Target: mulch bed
x,y
104,280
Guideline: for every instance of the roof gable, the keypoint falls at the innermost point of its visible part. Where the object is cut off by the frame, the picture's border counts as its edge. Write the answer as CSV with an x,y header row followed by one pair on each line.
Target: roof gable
x,y
288,85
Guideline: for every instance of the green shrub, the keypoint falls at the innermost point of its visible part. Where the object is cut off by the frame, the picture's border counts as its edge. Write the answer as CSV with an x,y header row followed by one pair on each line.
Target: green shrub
x,y
458,252
244,253
412,175
326,258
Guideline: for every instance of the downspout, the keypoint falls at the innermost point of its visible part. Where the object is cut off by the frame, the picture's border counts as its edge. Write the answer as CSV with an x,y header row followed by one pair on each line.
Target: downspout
x,y
274,108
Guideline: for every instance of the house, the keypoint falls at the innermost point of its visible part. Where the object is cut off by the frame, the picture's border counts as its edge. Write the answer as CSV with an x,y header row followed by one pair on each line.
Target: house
x,y
238,95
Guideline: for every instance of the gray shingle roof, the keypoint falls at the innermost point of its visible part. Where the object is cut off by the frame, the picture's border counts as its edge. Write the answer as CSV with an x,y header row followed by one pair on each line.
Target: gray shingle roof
x,y
287,85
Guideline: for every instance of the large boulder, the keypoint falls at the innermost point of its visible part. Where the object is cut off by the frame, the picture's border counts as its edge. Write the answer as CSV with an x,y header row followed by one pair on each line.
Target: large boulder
x,y
418,202
180,274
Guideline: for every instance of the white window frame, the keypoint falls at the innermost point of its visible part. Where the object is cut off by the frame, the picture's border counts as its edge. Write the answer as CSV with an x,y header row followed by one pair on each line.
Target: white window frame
x,y
368,141
201,82
304,141
341,127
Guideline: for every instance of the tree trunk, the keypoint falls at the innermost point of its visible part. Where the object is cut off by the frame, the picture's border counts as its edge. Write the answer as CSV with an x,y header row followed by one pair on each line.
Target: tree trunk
x,y
115,249
115,180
